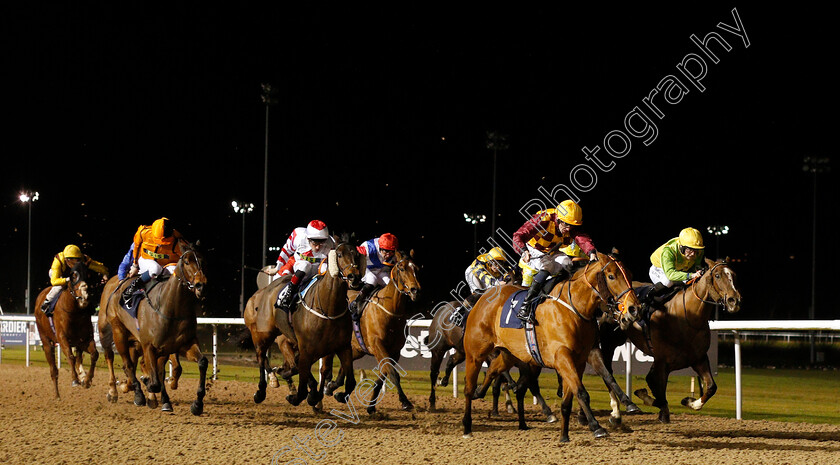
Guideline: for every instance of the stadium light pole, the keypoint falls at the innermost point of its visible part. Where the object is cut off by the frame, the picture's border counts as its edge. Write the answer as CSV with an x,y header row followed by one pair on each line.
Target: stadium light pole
x,y
717,230
242,209
29,198
474,219
268,99
495,142
814,165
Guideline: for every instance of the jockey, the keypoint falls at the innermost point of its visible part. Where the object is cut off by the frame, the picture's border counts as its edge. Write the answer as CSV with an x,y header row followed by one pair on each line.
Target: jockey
x,y
679,259
156,251
379,253
62,265
305,249
486,270
540,241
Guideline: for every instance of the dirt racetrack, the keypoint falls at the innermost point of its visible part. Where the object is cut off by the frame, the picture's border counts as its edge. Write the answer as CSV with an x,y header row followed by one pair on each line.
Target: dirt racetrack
x,y
83,427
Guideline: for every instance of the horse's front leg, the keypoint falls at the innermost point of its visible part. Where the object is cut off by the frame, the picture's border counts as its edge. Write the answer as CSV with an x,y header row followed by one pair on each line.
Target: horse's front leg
x,y
194,354
264,367
160,366
451,363
49,353
703,368
94,356
304,366
345,357
177,370
657,380
153,381
572,373
71,359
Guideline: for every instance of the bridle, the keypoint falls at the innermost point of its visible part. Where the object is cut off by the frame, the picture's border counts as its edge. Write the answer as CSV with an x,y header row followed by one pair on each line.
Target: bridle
x,y
402,287
692,285
617,304
189,283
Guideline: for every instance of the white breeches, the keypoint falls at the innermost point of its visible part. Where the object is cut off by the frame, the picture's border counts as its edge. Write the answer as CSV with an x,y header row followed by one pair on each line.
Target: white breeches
x,y
378,277
153,267
551,263
657,275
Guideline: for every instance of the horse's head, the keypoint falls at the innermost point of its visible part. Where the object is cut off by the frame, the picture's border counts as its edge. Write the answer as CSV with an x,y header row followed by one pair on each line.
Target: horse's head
x,y
347,264
78,284
404,275
721,285
190,269
616,291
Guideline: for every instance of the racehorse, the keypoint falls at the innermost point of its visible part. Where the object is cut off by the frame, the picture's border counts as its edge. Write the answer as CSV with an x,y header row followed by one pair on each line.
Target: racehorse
x,y
445,335
318,326
382,328
73,329
566,334
165,325
680,336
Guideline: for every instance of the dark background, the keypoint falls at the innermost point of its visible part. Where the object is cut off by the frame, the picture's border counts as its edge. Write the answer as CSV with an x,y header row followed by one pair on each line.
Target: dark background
x,y
120,116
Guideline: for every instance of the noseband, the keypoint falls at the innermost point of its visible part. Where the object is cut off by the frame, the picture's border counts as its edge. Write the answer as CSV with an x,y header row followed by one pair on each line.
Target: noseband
x,y
181,275
617,304
402,287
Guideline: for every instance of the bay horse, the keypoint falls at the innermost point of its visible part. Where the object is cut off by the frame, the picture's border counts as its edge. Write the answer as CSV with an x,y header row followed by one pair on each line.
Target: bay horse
x,y
319,325
680,336
73,329
566,334
382,327
445,335
165,325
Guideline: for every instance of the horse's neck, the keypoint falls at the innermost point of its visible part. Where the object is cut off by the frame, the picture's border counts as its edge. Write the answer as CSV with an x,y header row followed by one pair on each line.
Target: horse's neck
x,y
584,299
390,292
175,298
689,302
331,289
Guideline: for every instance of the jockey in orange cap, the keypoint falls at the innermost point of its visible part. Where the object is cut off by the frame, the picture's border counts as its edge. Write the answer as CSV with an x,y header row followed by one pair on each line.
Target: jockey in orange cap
x,y
156,248
302,254
380,253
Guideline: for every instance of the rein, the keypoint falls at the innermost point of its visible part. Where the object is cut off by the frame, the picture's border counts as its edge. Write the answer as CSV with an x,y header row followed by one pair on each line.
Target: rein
x,y
692,286
618,304
182,281
341,275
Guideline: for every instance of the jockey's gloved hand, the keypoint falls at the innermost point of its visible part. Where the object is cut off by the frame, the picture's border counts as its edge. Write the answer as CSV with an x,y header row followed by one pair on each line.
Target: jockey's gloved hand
x,y
593,257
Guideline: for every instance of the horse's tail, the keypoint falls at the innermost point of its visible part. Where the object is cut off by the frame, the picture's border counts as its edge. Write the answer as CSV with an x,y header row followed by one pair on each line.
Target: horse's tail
x,y
243,339
106,335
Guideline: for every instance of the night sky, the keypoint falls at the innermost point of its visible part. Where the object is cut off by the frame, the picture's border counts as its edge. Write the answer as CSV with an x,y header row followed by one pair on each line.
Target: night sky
x,y
118,117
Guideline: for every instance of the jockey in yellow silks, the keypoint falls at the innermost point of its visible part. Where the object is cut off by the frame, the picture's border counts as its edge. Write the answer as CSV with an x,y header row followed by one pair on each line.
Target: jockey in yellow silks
x,y
62,265
546,242
677,260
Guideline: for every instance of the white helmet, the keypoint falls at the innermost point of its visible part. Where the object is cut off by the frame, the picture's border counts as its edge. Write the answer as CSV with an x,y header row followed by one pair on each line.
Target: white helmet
x,y
317,229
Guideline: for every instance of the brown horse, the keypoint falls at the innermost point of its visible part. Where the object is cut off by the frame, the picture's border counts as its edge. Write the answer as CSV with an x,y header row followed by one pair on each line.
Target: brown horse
x,y
165,325
680,336
319,325
73,330
382,327
566,334
445,335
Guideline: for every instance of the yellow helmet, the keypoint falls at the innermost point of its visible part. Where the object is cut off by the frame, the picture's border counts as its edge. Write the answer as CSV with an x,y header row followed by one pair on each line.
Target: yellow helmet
x,y
496,253
569,212
690,237
160,228
72,251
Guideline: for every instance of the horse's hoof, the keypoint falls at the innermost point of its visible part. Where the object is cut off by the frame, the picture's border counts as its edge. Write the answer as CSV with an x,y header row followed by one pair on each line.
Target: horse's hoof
x,y
75,383
112,398
197,408
511,408
467,436
643,394
600,433
443,382
615,422
139,399
86,385
493,414
407,407
524,427
664,417
293,400
313,398
259,396
692,403
551,419
166,407
564,439
341,397
152,403
632,409
371,410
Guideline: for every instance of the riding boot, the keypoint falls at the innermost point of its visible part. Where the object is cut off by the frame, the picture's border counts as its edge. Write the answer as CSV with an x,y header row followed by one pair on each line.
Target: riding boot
x,y
364,293
45,307
287,295
526,311
135,285
653,300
